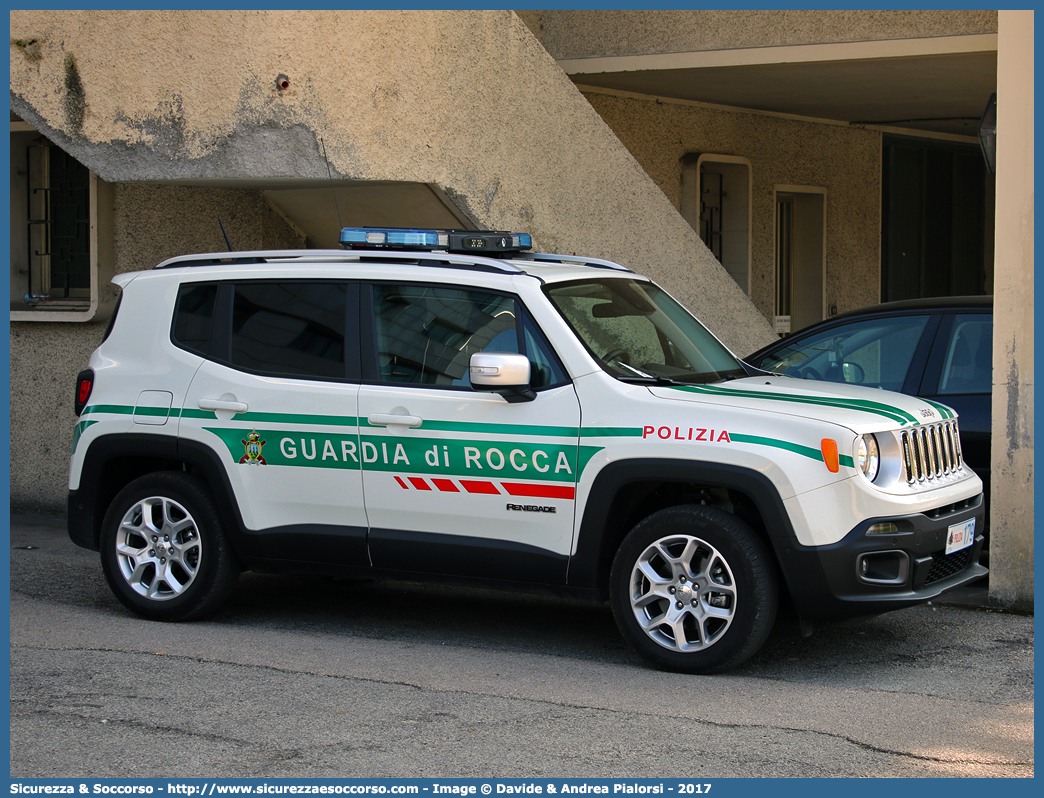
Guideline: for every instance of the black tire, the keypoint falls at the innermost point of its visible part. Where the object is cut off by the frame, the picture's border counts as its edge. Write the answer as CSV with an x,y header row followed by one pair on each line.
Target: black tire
x,y
164,549
709,629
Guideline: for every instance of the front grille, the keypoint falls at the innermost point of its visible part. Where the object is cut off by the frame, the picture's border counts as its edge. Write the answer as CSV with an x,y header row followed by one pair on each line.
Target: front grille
x,y
946,565
931,452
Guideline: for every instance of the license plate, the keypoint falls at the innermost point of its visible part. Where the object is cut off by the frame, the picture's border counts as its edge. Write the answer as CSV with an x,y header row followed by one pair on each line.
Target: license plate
x,y
960,536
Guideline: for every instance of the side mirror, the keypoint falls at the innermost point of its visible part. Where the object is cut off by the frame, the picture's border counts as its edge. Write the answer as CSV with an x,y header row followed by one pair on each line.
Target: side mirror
x,y
504,373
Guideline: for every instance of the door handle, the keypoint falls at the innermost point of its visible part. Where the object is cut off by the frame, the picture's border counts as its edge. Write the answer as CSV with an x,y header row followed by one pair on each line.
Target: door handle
x,y
222,404
393,420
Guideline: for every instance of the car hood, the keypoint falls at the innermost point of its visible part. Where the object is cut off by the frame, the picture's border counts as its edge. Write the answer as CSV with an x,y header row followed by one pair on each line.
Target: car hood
x,y
859,409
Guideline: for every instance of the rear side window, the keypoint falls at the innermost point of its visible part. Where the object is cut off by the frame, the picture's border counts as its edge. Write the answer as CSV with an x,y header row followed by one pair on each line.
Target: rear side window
x,y
968,367
292,329
194,317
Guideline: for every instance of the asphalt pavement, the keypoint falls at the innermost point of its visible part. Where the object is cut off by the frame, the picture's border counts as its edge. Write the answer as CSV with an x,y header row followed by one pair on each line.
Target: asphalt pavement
x,y
307,677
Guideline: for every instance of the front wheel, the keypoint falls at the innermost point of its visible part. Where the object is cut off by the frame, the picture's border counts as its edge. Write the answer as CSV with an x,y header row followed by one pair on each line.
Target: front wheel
x,y
164,550
693,590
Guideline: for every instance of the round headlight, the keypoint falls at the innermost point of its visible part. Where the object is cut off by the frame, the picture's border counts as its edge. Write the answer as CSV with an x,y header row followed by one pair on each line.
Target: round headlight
x,y
868,457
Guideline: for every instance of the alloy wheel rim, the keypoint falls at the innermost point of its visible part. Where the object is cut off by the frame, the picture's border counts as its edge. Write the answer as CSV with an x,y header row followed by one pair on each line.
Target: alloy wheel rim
x,y
158,548
683,593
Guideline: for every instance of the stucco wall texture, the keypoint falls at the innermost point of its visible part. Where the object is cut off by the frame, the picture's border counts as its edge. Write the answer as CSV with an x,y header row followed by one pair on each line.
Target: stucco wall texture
x,y
156,222
845,161
468,101
590,34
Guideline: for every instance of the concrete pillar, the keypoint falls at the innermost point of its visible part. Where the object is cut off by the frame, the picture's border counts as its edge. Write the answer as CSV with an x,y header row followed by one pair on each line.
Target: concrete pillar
x,y
1011,514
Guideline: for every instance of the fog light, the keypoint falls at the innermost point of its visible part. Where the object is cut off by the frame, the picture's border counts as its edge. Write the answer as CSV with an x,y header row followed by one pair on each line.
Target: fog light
x,y
883,528
883,567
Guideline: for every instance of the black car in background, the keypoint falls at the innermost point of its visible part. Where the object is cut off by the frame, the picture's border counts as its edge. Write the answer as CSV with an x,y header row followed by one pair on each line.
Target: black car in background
x,y
939,348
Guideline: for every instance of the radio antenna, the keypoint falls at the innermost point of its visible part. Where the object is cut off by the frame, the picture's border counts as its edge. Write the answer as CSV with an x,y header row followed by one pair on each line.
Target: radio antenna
x,y
227,242
330,175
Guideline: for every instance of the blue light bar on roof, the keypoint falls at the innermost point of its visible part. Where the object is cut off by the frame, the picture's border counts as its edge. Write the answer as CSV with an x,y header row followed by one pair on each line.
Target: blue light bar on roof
x,y
488,242
394,237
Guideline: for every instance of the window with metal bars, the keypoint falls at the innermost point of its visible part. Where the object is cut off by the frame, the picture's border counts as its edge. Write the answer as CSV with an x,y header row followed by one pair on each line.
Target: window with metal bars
x,y
50,226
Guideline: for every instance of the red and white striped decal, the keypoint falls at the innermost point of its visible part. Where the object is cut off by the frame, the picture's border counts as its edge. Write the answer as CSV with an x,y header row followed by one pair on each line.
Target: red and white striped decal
x,y
481,486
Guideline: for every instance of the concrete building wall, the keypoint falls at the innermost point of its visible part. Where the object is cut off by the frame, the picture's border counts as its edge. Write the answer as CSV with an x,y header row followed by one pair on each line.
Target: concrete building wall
x,y
467,101
589,34
845,161
156,222
1011,522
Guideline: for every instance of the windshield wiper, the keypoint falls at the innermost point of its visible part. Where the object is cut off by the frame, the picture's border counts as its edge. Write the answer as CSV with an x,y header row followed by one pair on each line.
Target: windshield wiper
x,y
641,378
756,371
650,380
638,372
655,380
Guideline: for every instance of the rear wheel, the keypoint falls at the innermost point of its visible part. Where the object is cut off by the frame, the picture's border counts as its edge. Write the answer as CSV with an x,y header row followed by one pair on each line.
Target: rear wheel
x,y
164,549
692,589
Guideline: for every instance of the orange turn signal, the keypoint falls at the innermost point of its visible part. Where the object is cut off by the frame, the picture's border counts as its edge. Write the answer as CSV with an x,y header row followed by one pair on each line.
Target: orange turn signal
x,y
829,448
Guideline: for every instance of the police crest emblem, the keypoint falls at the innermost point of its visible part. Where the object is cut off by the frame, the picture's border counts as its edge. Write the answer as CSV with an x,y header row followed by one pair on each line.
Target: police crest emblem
x,y
253,444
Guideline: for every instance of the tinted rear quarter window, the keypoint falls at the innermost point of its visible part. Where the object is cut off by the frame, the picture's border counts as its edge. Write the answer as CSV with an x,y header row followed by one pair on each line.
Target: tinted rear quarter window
x,y
293,329
194,317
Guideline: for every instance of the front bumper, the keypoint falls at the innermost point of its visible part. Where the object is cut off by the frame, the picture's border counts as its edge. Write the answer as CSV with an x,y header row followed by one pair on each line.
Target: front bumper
x,y
865,574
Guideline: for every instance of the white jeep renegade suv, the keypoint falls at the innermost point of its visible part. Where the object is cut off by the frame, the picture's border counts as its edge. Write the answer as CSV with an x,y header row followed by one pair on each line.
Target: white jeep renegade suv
x,y
445,403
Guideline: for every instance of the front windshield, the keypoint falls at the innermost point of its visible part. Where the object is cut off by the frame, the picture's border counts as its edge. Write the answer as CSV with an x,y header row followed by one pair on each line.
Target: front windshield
x,y
639,333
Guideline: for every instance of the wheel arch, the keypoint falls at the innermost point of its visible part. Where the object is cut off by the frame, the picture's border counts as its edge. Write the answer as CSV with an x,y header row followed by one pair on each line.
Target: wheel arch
x,y
626,491
163,548
113,461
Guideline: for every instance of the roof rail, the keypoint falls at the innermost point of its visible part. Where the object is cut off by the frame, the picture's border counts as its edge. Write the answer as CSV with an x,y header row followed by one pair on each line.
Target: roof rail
x,y
566,260
433,259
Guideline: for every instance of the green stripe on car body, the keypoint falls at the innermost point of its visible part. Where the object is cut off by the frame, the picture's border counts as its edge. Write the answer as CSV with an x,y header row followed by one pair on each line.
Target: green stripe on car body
x,y
876,408
189,412
327,443
611,432
298,418
312,419
797,448
78,431
944,411
119,410
127,410
491,429
154,411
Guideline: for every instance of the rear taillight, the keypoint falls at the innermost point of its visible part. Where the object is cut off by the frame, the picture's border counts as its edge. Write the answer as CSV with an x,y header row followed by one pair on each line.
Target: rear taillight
x,y
84,386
